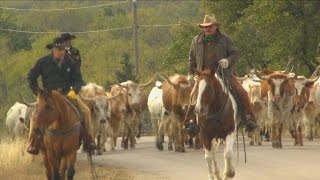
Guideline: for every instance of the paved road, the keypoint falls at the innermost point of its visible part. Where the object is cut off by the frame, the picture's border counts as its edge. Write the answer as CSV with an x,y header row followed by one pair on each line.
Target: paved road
x,y
264,163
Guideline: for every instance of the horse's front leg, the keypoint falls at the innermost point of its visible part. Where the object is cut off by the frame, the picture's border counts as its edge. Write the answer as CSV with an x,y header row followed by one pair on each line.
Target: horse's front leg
x,y
55,166
229,171
210,157
71,160
47,166
63,168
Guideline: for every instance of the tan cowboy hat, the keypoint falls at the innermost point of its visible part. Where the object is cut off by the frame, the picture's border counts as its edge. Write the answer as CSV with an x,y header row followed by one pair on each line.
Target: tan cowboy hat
x,y
209,20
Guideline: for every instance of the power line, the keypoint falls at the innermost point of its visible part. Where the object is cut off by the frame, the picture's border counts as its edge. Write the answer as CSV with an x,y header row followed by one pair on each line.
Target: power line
x,y
84,32
57,32
62,9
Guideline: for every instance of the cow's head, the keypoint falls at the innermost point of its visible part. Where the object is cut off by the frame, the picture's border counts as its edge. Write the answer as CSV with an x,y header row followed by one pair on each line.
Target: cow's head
x,y
100,108
137,98
280,85
182,88
255,96
302,86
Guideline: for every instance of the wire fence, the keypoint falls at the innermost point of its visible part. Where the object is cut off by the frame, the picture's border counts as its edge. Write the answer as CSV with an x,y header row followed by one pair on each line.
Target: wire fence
x,y
62,9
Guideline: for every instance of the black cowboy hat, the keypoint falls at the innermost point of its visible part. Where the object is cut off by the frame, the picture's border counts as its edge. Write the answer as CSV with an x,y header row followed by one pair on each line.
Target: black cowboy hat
x,y
68,36
58,42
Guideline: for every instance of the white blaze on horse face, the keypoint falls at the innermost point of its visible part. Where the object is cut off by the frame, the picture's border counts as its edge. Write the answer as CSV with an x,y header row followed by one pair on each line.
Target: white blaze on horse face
x,y
277,84
202,87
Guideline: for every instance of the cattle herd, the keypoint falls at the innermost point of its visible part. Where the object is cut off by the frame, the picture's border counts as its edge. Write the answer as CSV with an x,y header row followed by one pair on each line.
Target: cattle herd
x,y
281,100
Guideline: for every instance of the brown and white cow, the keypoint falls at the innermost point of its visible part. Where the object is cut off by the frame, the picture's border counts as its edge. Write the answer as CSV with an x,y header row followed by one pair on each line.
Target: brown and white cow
x,y
303,87
176,95
311,111
136,104
281,92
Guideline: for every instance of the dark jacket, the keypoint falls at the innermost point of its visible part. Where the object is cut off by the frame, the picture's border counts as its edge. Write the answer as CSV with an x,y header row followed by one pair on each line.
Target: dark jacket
x,y
74,54
224,49
54,77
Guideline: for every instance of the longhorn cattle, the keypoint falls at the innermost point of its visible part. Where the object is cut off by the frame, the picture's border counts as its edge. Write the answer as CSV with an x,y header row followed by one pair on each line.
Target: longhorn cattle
x,y
95,98
258,99
281,91
311,111
157,111
176,95
136,104
119,109
302,86
15,120
216,112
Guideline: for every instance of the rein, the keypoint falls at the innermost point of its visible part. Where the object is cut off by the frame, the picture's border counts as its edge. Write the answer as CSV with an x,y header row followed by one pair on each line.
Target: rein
x,y
62,132
227,90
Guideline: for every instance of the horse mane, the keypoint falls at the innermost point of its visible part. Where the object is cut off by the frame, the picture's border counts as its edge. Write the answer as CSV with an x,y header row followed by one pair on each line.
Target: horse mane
x,y
180,79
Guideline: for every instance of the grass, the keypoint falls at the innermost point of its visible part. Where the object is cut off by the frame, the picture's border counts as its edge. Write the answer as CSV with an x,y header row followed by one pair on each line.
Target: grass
x,y
16,164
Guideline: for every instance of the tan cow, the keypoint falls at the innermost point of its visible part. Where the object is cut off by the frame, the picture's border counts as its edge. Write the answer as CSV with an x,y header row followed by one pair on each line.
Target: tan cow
x,y
136,104
95,98
176,95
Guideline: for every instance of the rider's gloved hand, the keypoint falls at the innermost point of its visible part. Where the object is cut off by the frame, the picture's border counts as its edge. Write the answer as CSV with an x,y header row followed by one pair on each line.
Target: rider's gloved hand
x,y
224,63
72,94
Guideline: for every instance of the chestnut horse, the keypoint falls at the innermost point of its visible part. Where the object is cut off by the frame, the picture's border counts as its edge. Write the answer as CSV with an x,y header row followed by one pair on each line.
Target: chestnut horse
x,y
216,114
56,123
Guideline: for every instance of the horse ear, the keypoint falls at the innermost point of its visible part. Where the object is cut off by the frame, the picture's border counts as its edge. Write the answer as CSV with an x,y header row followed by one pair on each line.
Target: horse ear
x,y
198,73
212,72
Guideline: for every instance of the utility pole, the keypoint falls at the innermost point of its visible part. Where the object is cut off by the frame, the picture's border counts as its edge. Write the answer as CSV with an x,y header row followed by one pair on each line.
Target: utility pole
x,y
135,38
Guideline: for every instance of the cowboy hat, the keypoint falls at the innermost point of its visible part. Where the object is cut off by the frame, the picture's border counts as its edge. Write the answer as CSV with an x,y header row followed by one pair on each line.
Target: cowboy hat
x,y
57,43
209,20
68,36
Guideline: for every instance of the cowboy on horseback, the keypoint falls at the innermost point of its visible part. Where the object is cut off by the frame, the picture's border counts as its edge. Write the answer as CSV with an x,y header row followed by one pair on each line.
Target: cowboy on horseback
x,y
214,50
58,72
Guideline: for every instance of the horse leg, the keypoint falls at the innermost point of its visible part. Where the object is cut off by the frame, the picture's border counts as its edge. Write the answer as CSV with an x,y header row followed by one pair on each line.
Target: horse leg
x,y
229,171
71,159
55,165
47,166
251,137
210,157
63,168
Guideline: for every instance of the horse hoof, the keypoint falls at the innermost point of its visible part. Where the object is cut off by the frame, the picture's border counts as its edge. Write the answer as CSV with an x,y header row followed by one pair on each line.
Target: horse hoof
x,y
197,146
159,146
180,149
229,174
132,146
125,146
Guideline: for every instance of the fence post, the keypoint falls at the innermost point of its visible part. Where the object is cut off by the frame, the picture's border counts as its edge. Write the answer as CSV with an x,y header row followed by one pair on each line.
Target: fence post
x,y
135,38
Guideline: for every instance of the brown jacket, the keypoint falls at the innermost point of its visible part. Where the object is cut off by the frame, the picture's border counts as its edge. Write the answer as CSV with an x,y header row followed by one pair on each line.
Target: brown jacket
x,y
224,49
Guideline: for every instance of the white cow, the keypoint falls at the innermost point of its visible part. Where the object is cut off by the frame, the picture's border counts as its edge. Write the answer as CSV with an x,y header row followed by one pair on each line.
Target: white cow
x,y
157,112
15,120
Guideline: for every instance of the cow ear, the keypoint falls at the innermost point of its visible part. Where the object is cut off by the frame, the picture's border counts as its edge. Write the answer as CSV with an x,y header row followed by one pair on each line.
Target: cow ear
x,y
309,84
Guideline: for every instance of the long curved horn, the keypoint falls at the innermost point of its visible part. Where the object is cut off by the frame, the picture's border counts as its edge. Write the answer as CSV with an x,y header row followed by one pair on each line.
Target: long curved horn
x,y
242,78
150,81
27,103
116,95
165,78
285,70
312,80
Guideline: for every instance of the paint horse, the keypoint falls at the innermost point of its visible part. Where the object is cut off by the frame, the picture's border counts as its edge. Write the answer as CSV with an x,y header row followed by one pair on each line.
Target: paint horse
x,y
216,114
